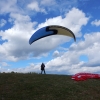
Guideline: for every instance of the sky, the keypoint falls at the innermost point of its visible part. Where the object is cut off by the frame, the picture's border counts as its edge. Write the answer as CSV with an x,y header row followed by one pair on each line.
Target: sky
x,y
19,19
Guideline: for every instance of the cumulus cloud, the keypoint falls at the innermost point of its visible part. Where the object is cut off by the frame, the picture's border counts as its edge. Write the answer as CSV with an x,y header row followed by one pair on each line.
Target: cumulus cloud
x,y
31,68
4,64
35,6
48,2
96,22
56,53
44,6
17,38
2,22
69,62
74,23
58,5
7,6
17,46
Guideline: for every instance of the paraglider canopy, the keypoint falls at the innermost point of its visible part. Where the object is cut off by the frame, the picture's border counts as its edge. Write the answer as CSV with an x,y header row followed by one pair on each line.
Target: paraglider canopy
x,y
85,76
51,30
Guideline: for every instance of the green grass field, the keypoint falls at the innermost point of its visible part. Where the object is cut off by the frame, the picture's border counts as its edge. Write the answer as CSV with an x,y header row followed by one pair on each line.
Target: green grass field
x,y
14,86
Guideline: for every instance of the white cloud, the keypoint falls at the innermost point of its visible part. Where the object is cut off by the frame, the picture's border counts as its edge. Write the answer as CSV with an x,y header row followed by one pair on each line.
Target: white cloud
x,y
29,6
2,22
74,23
48,2
96,22
31,68
17,46
56,53
44,6
18,36
58,6
7,6
35,6
69,62
69,22
4,64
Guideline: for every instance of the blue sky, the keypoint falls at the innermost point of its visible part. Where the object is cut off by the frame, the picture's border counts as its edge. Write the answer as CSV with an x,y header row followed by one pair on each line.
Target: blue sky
x,y
19,19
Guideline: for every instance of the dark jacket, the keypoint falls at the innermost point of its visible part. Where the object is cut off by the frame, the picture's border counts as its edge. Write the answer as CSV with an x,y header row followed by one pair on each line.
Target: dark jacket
x,y
42,66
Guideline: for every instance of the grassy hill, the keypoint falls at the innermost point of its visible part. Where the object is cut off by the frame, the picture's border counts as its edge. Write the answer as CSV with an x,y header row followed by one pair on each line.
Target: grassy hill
x,y
14,86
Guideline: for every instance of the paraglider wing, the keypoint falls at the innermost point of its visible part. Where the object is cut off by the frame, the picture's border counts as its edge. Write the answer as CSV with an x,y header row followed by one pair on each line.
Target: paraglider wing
x,y
85,76
79,77
51,30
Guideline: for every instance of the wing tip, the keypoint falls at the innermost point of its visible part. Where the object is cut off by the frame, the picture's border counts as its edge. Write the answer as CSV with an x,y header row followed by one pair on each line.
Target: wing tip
x,y
74,38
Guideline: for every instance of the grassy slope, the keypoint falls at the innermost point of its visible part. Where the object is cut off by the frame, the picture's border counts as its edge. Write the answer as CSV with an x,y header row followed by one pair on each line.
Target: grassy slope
x,y
46,87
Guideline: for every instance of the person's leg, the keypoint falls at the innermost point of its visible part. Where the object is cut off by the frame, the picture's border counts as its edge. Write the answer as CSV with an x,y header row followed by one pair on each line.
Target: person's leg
x,y
44,71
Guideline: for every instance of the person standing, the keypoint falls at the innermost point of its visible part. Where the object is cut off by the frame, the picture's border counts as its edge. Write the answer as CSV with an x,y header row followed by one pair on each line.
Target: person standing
x,y
43,68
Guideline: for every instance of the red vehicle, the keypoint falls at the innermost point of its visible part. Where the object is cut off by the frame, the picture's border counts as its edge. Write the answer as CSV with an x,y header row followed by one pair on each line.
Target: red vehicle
x,y
85,76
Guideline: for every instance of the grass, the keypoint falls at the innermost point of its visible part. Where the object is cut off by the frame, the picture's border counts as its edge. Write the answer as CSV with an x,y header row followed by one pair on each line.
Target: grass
x,y
14,86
